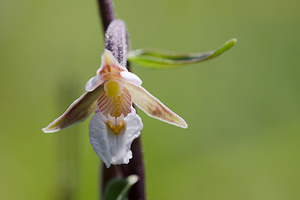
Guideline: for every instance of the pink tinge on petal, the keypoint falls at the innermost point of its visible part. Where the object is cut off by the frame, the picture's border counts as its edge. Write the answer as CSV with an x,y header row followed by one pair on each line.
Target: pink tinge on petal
x,y
126,102
98,80
78,111
109,64
115,106
152,106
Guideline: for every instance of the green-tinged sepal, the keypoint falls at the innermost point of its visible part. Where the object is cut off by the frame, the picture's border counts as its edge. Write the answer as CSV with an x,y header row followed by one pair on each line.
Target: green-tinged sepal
x,y
117,189
155,58
77,112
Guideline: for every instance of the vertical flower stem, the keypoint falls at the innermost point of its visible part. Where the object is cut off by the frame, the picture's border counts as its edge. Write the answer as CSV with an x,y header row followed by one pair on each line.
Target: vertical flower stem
x,y
107,13
136,165
108,174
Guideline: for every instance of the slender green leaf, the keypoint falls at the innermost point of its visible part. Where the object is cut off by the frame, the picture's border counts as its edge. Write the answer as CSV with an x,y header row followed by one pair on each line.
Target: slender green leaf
x,y
117,189
155,58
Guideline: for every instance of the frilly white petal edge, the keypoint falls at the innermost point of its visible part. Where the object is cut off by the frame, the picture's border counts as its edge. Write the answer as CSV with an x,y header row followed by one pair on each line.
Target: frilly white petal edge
x,y
111,148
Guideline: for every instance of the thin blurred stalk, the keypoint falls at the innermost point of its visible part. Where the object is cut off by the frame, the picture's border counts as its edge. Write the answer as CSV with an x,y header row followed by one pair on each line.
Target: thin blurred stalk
x,y
67,148
136,165
107,13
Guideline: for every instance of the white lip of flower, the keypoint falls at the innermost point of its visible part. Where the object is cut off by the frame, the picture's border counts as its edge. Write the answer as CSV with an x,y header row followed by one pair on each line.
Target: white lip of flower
x,y
115,125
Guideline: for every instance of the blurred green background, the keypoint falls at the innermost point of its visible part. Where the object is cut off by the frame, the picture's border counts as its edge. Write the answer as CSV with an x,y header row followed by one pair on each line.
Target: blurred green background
x,y
243,108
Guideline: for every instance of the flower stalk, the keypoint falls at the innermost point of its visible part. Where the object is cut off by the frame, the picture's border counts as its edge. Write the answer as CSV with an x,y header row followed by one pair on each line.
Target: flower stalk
x,y
107,13
113,41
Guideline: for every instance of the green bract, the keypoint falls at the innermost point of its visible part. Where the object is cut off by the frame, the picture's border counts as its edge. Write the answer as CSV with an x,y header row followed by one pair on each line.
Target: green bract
x,y
155,58
118,189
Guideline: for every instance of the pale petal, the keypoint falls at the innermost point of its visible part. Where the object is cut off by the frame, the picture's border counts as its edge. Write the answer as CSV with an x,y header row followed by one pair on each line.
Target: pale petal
x,y
98,138
78,111
93,83
98,80
111,148
128,76
120,144
110,69
108,106
109,63
152,106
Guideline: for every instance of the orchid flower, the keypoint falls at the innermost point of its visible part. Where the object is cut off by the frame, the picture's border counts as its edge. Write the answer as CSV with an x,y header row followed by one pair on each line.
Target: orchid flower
x,y
115,125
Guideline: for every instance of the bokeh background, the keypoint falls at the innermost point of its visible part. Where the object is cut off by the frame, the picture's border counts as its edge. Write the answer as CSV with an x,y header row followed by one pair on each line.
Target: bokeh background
x,y
243,108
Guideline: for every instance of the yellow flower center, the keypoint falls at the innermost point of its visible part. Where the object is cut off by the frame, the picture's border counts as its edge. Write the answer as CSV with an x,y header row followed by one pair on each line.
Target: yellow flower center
x,y
113,103
116,128
117,106
112,89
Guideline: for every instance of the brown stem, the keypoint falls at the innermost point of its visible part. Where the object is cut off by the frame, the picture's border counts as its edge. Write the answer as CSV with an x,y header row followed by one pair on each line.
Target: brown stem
x,y
107,13
108,174
136,166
